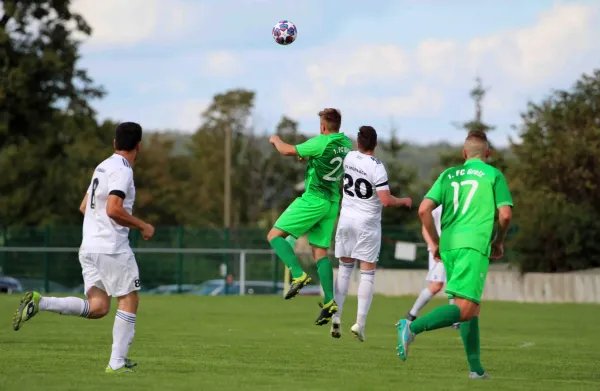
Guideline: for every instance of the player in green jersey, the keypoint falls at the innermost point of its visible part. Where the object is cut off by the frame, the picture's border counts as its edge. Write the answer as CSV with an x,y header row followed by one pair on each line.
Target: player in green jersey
x,y
470,195
315,212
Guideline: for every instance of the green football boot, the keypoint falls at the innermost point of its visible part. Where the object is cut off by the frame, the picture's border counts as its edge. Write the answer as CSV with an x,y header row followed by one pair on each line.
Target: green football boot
x,y
297,284
29,306
327,311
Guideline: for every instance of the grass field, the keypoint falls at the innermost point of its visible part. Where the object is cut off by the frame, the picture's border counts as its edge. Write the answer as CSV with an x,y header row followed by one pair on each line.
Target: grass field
x,y
266,343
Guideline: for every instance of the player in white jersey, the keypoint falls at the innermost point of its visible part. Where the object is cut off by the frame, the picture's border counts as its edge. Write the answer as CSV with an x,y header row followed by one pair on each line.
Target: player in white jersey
x,y
358,235
437,273
107,261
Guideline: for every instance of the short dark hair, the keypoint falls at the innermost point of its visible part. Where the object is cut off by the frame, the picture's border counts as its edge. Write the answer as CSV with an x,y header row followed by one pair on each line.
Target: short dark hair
x,y
477,135
127,136
367,138
332,118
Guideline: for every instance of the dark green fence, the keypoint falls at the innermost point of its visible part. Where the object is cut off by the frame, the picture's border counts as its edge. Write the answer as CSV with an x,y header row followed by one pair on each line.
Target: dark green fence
x,y
60,271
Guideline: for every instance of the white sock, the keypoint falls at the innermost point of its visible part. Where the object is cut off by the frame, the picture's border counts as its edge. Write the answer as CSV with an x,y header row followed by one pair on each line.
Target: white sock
x,y
451,301
365,295
65,306
123,332
342,282
424,297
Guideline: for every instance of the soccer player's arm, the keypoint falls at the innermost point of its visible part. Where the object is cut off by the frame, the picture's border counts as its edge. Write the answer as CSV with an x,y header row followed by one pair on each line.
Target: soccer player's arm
x,y
380,179
430,202
504,204
118,184
311,147
282,147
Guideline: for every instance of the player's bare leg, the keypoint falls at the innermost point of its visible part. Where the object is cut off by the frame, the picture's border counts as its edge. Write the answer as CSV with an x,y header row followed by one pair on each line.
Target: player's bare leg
x,y
342,282
365,297
95,307
123,333
284,250
329,306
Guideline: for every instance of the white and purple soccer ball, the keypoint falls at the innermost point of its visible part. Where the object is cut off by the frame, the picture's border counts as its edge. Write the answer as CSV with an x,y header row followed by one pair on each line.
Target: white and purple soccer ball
x,y
285,32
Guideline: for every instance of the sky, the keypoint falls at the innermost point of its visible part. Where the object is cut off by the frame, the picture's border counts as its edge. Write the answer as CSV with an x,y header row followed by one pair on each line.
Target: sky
x,y
404,64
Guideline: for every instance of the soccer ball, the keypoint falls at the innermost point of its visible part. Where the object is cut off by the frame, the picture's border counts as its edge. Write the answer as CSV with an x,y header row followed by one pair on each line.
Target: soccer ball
x,y
285,32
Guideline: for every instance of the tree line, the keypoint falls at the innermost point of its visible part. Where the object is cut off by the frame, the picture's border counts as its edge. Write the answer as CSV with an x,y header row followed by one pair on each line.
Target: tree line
x,y
51,140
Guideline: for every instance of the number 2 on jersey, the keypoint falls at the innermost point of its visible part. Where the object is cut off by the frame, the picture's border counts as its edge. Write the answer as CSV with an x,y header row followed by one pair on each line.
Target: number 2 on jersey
x,y
348,182
474,184
330,177
95,183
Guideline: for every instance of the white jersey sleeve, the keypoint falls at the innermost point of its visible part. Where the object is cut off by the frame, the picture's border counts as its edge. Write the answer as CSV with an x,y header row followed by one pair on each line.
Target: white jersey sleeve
x,y
437,217
119,182
380,177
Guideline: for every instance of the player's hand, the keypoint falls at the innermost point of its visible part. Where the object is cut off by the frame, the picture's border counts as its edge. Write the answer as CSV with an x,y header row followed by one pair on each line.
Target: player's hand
x,y
406,202
275,138
147,231
497,250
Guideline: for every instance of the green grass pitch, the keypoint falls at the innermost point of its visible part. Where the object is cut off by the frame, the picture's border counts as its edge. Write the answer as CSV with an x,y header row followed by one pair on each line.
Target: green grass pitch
x,y
267,343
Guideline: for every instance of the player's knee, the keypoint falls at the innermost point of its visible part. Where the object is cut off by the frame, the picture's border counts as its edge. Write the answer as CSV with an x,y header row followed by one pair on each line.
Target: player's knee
x,y
468,309
435,287
98,309
319,253
273,233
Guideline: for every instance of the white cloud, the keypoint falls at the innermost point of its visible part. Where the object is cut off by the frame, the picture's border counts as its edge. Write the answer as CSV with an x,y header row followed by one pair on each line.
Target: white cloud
x,y
529,56
512,62
421,101
222,63
187,113
118,22
359,66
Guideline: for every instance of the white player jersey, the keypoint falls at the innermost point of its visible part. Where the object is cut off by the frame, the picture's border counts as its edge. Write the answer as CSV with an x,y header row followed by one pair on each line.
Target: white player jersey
x,y
100,233
364,175
437,218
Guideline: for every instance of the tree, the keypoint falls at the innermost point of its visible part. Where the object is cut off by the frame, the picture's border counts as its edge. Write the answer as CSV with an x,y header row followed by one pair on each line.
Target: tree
x,y
231,109
455,157
44,109
402,179
161,178
556,180
281,174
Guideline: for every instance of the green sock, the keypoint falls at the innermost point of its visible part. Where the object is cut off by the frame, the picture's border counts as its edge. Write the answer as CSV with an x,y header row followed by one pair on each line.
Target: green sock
x,y
440,317
326,276
285,251
469,331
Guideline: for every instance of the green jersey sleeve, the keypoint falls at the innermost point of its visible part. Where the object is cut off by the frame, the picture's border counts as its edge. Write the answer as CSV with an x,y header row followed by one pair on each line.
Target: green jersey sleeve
x,y
501,192
312,147
435,193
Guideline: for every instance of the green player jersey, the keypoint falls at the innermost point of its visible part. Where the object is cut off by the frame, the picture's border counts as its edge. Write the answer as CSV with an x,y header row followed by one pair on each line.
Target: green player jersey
x,y
325,165
470,195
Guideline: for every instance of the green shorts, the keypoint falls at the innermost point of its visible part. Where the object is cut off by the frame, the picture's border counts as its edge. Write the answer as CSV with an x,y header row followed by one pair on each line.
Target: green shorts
x,y
310,215
466,270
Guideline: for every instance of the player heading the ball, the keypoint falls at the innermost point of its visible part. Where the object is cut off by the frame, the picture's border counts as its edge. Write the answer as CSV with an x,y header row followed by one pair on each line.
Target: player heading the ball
x,y
315,212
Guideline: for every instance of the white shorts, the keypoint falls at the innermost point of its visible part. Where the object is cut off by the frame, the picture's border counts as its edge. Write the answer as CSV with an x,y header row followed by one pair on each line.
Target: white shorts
x,y
437,272
358,239
115,274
